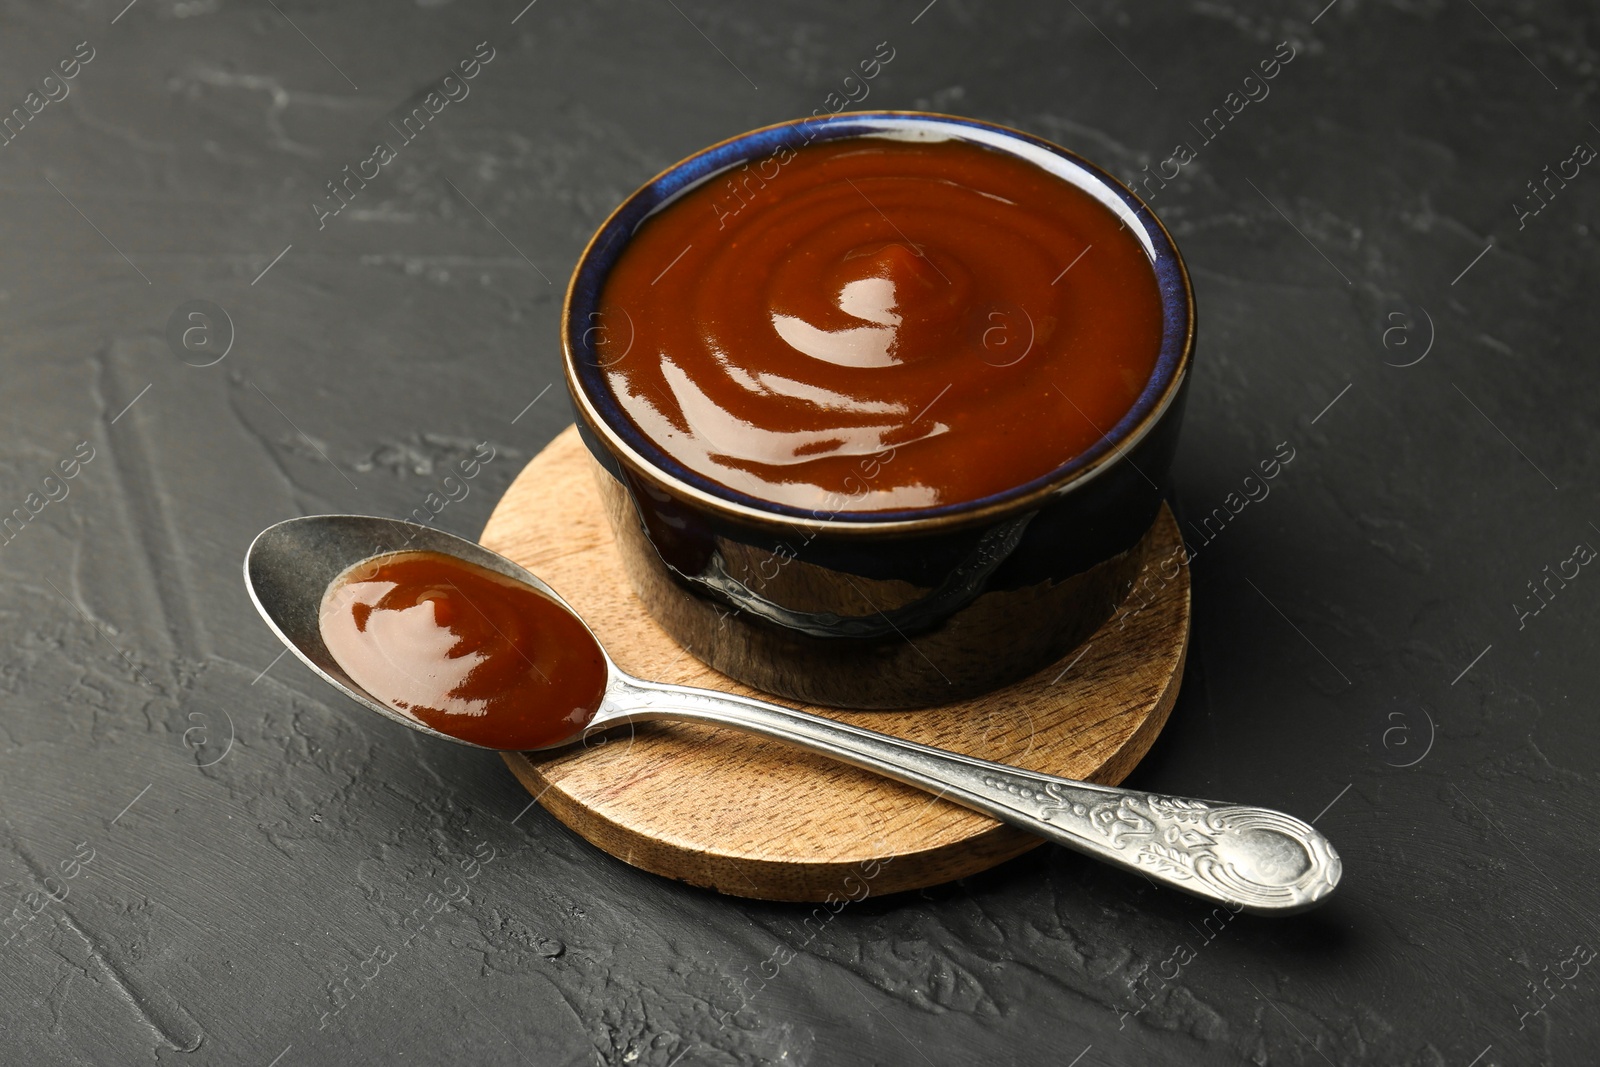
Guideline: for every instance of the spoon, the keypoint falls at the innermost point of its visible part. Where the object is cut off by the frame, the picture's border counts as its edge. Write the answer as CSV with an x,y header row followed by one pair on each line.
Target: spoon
x,y
1249,858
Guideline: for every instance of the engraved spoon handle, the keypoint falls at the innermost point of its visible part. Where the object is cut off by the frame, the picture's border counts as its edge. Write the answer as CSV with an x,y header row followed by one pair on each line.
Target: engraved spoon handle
x,y
1249,858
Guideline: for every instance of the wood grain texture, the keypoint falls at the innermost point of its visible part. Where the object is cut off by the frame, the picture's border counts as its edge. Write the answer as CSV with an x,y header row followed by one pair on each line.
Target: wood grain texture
x,y
757,818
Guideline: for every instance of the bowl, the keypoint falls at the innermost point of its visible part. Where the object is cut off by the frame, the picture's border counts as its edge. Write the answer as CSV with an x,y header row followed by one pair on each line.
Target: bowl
x,y
881,609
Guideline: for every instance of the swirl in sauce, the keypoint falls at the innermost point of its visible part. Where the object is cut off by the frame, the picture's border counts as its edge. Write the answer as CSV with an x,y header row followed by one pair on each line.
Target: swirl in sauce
x,y
880,325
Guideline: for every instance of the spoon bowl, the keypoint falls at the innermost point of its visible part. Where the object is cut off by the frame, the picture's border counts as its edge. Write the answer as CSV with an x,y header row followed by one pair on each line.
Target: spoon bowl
x,y
1249,858
289,567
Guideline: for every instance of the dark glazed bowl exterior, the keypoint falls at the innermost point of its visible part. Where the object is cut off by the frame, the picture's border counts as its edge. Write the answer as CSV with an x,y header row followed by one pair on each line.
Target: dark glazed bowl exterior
x,y
880,609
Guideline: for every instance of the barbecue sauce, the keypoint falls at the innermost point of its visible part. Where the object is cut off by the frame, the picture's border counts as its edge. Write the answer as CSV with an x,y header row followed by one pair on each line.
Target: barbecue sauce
x,y
870,324
465,650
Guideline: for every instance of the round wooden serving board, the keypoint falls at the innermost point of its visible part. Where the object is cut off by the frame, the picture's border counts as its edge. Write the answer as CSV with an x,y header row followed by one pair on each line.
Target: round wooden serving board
x,y
757,818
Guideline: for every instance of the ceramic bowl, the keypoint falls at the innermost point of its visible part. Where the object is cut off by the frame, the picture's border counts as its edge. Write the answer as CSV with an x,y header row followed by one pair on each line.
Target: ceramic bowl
x,y
882,609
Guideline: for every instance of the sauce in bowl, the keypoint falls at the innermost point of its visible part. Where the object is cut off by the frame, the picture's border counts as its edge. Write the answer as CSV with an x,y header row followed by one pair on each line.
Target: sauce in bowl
x,y
880,325
465,650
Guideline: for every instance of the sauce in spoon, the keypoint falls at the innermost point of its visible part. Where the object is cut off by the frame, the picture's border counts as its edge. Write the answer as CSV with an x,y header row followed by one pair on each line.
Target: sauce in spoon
x,y
465,650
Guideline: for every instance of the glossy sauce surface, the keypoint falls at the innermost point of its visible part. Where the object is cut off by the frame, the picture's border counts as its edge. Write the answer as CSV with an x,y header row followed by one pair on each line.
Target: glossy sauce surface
x,y
871,324
469,652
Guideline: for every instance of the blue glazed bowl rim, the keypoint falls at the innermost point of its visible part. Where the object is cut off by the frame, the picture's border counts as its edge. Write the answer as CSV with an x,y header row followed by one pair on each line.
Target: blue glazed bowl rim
x,y
595,402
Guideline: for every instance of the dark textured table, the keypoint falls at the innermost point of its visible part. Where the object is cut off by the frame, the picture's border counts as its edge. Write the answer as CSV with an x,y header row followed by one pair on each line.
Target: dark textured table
x,y
210,858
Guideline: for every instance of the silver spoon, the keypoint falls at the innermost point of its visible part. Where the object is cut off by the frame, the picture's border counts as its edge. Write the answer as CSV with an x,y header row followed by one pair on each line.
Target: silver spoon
x,y
1248,858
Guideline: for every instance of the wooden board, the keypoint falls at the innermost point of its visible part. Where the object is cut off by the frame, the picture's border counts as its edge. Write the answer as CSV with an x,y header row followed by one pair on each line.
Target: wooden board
x,y
757,818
